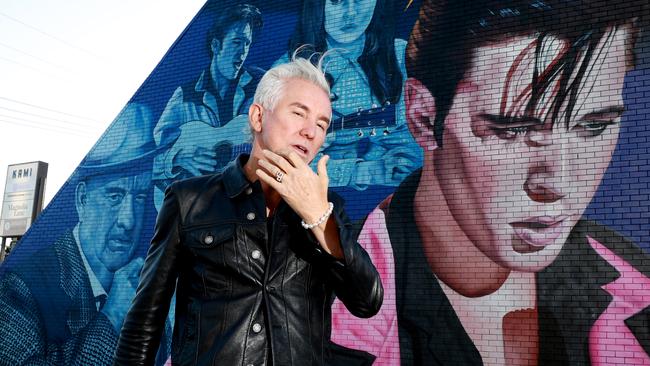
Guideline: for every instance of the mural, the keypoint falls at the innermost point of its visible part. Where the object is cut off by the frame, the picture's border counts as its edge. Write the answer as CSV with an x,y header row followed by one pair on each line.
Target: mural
x,y
494,153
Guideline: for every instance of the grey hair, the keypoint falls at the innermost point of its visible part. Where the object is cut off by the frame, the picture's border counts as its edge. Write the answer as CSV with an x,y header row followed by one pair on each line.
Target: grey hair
x,y
271,86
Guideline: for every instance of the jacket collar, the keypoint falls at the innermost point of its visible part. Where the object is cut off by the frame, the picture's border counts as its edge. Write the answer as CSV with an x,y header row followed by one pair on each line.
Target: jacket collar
x,y
234,179
202,86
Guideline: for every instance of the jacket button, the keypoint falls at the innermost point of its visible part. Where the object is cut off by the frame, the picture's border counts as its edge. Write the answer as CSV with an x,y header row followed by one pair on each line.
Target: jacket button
x,y
257,328
250,216
208,239
256,254
249,190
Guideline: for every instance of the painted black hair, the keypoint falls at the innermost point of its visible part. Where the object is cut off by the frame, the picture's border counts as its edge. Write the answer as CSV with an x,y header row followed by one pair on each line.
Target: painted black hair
x,y
446,33
225,18
377,60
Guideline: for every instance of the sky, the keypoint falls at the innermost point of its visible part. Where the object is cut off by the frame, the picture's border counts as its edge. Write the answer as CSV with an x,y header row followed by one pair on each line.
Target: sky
x,y
68,67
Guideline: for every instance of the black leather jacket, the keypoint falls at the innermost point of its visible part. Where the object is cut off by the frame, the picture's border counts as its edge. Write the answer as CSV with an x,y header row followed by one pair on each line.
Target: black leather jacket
x,y
248,288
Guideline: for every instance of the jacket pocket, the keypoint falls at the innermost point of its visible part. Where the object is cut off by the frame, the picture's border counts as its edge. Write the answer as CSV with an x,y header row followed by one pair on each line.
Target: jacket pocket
x,y
210,247
208,237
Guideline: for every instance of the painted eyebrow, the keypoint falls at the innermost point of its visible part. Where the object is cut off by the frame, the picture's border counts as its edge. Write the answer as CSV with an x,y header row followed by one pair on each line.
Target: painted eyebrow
x,y
506,121
617,110
116,190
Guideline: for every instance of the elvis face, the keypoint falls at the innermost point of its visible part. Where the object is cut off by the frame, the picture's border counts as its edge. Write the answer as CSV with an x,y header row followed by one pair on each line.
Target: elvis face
x,y
347,20
528,138
232,51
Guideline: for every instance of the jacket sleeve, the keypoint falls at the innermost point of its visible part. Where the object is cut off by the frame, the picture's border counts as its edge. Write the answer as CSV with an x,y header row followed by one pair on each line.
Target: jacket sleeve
x,y
145,321
354,278
23,339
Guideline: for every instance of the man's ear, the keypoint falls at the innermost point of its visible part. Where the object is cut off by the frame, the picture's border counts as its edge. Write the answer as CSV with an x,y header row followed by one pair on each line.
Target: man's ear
x,y
215,46
80,200
420,113
255,114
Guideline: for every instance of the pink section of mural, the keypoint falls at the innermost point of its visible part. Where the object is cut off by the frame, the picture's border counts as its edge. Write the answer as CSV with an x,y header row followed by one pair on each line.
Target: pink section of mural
x,y
610,340
379,334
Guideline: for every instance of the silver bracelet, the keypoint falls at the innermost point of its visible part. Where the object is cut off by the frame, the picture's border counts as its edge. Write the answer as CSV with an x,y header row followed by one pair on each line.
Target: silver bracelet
x,y
321,220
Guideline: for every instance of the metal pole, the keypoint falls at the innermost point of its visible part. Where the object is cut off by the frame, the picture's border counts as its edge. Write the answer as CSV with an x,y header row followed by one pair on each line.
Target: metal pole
x,y
2,249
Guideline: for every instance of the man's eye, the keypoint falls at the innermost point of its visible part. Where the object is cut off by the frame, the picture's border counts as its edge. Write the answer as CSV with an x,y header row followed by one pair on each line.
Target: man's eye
x,y
141,198
335,2
591,128
510,133
115,198
299,114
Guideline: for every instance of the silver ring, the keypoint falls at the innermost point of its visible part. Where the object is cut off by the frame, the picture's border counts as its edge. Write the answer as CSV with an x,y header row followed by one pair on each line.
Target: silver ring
x,y
279,175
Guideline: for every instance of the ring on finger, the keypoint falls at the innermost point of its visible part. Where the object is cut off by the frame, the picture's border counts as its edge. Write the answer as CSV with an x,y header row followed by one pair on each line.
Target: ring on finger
x,y
279,175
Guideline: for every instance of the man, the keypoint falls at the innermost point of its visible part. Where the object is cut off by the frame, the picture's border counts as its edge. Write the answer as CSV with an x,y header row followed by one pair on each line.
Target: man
x,y
65,304
198,128
517,105
255,253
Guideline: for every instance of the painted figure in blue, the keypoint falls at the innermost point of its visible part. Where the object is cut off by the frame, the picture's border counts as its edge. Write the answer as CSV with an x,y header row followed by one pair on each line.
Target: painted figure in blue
x,y
204,124
369,143
65,304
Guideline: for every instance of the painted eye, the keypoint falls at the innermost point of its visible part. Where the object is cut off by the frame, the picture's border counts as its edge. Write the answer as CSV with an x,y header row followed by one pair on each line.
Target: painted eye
x,y
510,133
591,128
140,198
114,198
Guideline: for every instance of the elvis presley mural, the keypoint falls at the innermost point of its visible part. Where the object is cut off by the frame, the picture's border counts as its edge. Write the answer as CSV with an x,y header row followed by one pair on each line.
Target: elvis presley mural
x,y
495,155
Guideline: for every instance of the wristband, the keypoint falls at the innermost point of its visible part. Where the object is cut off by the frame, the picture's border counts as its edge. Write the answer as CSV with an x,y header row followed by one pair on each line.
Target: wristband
x,y
320,220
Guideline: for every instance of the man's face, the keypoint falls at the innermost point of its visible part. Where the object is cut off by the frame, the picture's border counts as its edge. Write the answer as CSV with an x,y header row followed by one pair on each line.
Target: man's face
x,y
232,51
347,20
517,180
298,122
110,218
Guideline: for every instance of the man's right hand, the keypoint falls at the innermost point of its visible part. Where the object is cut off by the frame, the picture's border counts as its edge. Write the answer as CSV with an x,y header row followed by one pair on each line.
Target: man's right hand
x,y
125,282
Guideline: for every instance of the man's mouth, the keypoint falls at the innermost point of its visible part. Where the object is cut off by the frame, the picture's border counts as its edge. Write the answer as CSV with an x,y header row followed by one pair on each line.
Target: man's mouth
x,y
301,150
119,244
538,232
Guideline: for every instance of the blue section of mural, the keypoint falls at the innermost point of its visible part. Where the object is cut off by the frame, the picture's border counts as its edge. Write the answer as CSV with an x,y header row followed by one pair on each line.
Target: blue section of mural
x,y
67,285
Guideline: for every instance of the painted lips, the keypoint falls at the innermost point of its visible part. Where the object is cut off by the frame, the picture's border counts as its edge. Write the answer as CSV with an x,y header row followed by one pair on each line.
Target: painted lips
x,y
538,232
120,244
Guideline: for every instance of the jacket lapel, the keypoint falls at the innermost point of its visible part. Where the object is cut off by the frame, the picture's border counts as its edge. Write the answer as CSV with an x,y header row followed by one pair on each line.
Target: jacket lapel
x,y
75,284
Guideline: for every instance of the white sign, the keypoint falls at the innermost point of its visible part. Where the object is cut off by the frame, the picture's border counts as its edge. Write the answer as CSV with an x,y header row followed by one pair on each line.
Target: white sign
x,y
21,196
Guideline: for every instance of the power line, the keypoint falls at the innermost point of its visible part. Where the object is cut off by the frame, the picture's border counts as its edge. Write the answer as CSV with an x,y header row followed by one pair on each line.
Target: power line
x,y
43,116
34,56
48,34
50,110
20,64
68,132
42,123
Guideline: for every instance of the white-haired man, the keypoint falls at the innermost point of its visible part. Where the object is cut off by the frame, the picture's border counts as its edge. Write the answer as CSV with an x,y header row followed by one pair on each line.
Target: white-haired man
x,y
257,252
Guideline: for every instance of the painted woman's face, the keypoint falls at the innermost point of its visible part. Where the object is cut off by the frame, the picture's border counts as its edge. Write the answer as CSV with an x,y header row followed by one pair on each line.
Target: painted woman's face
x,y
347,20
519,162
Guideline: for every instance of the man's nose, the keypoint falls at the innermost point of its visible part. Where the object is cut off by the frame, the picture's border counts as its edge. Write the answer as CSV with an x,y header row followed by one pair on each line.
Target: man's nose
x,y
548,178
308,130
125,216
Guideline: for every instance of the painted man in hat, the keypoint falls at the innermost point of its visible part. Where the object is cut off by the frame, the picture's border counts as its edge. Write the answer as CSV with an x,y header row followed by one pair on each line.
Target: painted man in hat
x,y
65,304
